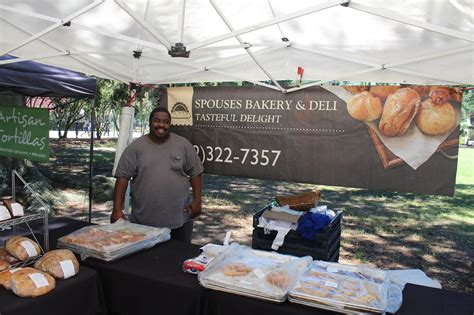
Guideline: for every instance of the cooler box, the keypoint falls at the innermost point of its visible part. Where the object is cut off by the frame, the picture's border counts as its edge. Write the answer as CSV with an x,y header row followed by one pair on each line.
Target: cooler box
x,y
324,247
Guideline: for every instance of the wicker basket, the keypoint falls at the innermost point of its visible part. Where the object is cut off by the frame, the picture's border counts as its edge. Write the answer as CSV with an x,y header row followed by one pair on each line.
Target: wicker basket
x,y
300,202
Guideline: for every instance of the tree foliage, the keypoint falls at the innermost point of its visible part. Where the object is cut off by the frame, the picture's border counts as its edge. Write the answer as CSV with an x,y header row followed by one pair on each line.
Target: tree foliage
x,y
65,111
110,97
468,101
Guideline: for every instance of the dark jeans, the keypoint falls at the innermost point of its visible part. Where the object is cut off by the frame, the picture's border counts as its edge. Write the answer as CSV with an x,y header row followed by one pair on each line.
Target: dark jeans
x,y
183,233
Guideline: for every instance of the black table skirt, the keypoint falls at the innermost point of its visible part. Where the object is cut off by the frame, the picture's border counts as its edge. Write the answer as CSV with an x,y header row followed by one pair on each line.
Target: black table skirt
x,y
430,301
220,303
144,282
417,300
79,295
152,282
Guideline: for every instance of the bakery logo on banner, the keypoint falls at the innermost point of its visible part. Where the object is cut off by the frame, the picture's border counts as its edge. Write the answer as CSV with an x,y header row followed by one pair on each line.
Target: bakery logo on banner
x,y
180,105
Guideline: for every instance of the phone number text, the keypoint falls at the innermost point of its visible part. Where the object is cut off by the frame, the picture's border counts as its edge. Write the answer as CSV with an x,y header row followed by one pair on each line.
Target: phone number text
x,y
244,155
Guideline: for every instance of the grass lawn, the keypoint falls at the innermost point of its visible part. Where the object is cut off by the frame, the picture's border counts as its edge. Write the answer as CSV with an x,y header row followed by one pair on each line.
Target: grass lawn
x,y
465,173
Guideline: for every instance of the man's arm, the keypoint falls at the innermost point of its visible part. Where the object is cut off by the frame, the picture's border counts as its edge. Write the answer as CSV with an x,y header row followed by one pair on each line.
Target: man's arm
x,y
196,185
119,196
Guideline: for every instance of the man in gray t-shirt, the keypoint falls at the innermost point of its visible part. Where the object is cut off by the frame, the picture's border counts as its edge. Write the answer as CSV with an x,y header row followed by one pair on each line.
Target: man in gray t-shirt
x,y
162,166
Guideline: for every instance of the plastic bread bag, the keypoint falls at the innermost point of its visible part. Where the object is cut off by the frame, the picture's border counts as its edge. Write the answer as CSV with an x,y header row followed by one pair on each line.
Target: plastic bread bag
x,y
394,297
243,269
342,286
355,271
212,250
110,238
239,270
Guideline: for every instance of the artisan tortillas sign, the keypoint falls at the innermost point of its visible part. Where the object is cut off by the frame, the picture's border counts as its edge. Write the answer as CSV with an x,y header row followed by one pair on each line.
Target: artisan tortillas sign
x,y
24,133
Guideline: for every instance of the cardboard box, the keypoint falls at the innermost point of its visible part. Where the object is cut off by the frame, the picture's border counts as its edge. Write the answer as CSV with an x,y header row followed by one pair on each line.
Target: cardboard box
x,y
282,216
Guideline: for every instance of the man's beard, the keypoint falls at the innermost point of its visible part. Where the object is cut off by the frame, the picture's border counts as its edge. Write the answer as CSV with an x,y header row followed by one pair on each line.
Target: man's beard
x,y
160,136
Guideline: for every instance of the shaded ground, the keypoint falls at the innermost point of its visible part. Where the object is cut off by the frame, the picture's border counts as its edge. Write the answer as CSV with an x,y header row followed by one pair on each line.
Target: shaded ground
x,y
388,230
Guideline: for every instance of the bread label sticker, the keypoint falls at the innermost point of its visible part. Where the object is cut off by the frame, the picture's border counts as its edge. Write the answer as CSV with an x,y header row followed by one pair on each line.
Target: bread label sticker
x,y
259,273
39,279
68,268
332,269
331,284
14,270
30,249
17,209
4,213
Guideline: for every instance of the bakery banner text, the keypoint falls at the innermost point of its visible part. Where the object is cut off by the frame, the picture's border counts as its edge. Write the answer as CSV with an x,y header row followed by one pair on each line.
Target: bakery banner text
x,y
401,138
24,133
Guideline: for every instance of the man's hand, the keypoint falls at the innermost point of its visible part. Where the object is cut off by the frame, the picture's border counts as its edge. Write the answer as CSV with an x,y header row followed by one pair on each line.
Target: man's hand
x,y
195,208
117,215
119,196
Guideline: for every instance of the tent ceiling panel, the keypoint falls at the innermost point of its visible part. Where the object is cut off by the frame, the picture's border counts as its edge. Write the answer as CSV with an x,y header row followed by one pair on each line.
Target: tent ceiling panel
x,y
427,42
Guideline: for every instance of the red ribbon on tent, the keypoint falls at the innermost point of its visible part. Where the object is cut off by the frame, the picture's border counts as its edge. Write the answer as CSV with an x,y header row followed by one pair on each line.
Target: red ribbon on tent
x,y
300,72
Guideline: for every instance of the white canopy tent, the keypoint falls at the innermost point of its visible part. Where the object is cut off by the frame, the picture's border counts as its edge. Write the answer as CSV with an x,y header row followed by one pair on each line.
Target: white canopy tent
x,y
261,41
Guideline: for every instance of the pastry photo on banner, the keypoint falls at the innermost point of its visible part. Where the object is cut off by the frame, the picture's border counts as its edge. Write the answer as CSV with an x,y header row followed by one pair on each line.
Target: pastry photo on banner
x,y
406,123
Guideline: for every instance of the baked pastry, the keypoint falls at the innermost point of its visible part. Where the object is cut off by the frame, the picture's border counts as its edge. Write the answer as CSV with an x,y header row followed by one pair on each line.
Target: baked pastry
x,y
364,106
29,282
5,255
439,94
278,279
96,238
60,263
435,119
356,89
423,90
456,94
236,270
4,265
399,110
5,277
383,91
22,247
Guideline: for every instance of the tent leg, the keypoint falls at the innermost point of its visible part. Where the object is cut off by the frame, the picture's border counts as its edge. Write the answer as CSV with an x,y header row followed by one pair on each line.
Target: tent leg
x,y
91,158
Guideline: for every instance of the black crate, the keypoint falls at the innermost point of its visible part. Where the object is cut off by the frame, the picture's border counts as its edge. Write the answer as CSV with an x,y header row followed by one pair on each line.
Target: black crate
x,y
293,238
296,249
326,233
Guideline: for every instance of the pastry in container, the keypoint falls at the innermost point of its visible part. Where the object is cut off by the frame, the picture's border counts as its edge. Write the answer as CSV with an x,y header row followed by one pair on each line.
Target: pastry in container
x,y
258,274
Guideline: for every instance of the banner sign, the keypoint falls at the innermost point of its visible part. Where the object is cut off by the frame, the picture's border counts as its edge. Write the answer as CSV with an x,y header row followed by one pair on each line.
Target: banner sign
x,y
24,133
385,138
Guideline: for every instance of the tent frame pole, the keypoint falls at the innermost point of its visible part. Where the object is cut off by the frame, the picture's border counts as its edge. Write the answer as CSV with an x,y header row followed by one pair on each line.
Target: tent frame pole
x,y
91,158
78,26
389,66
267,23
147,26
53,27
409,21
55,46
181,21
